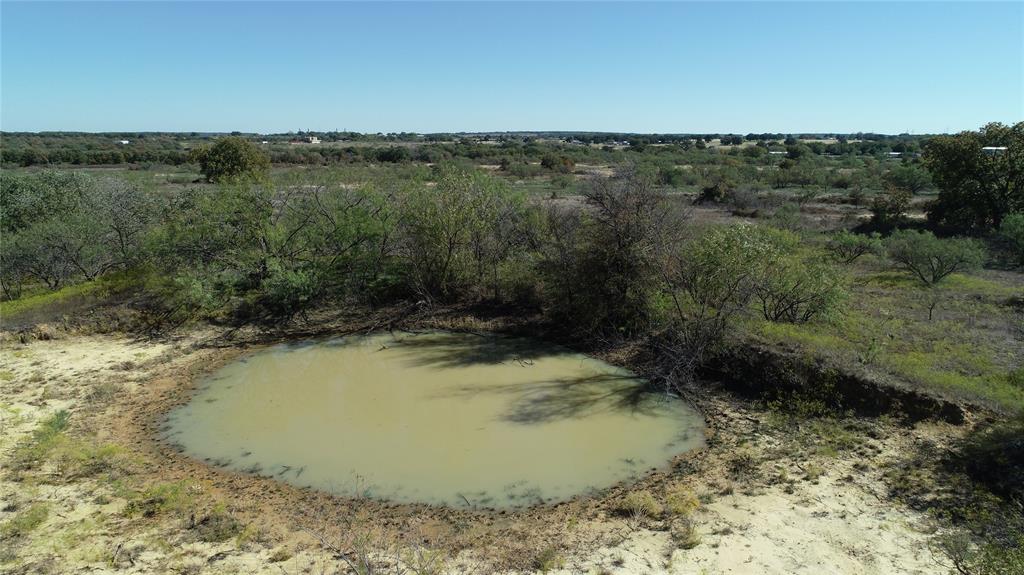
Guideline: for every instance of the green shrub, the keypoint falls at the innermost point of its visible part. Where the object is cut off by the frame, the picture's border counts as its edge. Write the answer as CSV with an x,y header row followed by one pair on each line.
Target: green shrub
x,y
847,247
787,217
795,290
930,259
286,293
888,209
1012,230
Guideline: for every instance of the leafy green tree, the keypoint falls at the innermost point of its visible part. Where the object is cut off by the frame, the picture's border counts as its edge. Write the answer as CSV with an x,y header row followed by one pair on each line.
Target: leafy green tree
x,y
1012,231
61,227
268,254
599,265
29,198
796,289
797,151
231,159
560,164
755,151
847,246
908,178
455,236
715,276
888,209
977,188
930,259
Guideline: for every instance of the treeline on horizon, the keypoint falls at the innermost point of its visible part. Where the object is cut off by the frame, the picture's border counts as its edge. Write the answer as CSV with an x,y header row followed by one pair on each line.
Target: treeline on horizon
x,y
93,149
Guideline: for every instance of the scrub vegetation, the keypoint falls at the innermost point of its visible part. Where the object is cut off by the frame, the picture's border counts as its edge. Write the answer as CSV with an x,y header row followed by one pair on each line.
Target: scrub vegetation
x,y
892,262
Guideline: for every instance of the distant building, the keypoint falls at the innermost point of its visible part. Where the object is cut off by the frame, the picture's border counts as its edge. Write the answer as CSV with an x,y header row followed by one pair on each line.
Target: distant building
x,y
895,154
124,142
993,150
777,153
312,140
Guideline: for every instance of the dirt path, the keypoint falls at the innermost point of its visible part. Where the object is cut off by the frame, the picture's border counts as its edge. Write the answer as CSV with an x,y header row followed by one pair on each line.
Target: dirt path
x,y
770,502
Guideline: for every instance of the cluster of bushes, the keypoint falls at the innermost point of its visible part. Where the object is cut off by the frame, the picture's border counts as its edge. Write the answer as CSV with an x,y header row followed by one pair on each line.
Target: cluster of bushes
x,y
245,250
62,226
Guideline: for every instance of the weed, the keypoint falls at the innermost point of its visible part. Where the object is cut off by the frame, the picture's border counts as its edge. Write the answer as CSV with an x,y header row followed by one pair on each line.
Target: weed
x,y
218,526
684,533
78,458
547,559
743,465
813,471
681,501
160,499
280,554
104,392
25,521
34,451
639,505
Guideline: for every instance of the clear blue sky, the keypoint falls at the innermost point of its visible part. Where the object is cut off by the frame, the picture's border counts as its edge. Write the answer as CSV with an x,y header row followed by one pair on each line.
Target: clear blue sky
x,y
430,67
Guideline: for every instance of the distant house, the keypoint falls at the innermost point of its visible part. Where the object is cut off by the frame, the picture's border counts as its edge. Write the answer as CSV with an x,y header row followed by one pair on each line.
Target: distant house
x,y
312,140
993,150
895,154
124,142
777,153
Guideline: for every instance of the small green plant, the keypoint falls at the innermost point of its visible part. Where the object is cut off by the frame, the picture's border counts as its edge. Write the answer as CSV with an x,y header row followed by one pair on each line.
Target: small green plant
x,y
75,458
33,451
161,499
25,521
217,526
889,209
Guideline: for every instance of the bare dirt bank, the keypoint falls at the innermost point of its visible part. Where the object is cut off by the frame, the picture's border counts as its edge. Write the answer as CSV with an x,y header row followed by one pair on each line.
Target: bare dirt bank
x,y
772,499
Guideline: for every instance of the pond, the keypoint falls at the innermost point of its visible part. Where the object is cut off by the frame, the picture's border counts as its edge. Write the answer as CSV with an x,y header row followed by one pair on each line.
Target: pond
x,y
440,418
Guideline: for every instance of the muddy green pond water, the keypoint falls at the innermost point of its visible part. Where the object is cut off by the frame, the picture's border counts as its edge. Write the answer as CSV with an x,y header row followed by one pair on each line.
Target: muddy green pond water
x,y
440,418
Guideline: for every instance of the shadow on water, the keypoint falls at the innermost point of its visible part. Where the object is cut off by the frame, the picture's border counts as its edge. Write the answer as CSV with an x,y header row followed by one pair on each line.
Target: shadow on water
x,y
566,398
452,350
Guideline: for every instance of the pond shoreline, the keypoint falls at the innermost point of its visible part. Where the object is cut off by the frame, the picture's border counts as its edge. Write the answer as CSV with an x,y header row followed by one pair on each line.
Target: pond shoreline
x,y
302,518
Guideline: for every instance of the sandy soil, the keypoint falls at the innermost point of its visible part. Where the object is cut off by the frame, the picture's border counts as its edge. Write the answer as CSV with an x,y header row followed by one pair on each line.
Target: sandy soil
x,y
791,508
